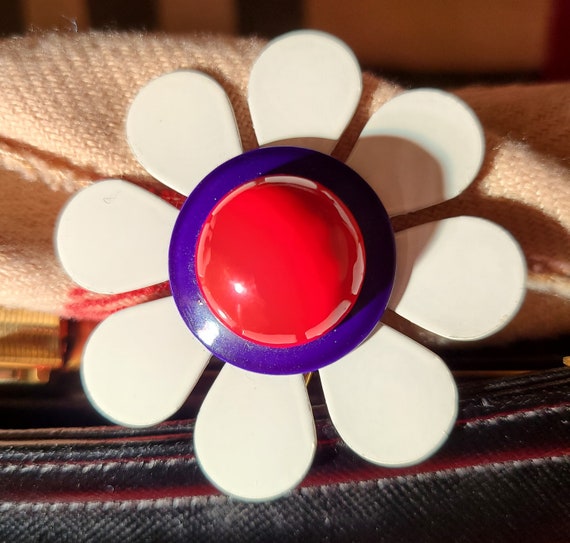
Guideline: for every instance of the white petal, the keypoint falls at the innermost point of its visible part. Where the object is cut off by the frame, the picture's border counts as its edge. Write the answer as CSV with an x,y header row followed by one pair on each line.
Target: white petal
x,y
255,437
391,400
141,363
420,148
114,236
180,127
304,84
462,278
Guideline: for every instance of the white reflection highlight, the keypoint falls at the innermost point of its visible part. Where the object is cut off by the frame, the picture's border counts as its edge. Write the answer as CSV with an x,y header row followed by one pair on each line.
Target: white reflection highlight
x,y
209,333
239,288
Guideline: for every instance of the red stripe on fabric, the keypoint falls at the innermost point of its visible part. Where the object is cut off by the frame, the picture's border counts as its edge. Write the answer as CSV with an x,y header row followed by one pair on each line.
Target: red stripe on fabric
x,y
497,416
346,476
438,464
135,461
89,306
324,472
168,195
115,495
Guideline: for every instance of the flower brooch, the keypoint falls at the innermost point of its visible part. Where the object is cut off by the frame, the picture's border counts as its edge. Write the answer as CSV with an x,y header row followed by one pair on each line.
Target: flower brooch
x,y
282,262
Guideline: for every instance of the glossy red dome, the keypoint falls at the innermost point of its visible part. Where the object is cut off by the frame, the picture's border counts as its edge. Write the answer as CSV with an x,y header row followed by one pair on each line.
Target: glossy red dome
x,y
280,261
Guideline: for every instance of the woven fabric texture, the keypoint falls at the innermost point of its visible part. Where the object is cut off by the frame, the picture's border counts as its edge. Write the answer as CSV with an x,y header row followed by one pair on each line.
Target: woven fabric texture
x,y
504,475
63,106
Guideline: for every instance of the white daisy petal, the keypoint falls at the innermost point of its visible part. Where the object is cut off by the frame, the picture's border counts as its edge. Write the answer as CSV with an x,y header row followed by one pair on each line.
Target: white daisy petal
x,y
255,437
462,278
113,237
180,127
141,363
304,84
421,148
391,400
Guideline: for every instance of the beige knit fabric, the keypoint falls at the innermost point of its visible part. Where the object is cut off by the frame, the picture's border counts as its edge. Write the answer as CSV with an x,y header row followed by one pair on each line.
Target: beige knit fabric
x,y
63,100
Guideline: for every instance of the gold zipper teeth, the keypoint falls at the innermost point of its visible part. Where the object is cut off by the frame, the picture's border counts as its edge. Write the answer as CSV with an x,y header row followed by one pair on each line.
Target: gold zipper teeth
x,y
31,345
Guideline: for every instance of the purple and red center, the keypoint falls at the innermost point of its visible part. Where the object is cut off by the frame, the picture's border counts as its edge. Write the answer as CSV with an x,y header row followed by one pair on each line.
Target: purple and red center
x,y
282,260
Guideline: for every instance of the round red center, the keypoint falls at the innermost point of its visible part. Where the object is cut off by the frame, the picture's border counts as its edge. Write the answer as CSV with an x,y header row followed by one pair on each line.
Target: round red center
x,y
280,261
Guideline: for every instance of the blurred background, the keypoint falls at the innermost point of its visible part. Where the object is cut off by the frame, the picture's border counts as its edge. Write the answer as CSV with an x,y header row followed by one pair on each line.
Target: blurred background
x,y
447,41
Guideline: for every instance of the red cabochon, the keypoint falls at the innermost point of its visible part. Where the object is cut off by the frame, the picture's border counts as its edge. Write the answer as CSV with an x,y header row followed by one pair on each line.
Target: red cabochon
x,y
280,261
